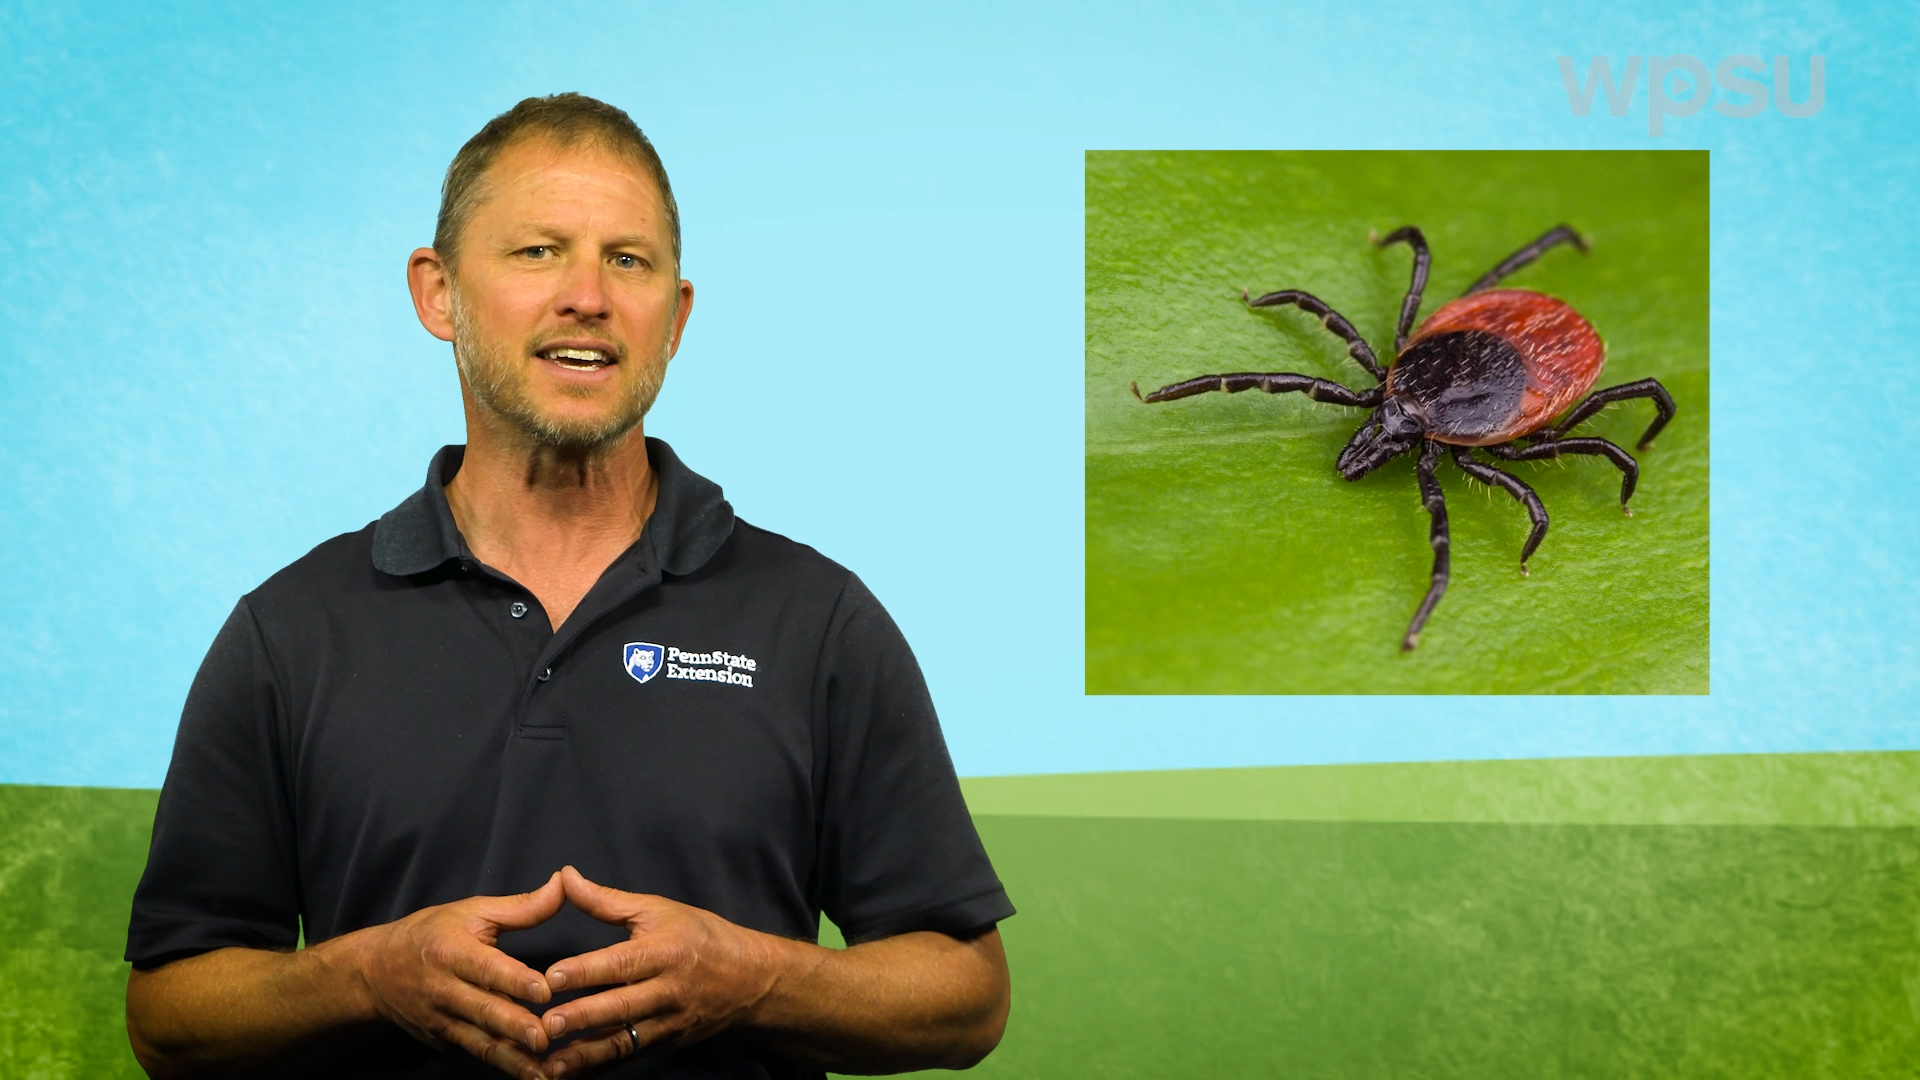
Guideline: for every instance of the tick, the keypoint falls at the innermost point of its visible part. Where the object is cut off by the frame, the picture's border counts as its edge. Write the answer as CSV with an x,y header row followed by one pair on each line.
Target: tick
x,y
1489,370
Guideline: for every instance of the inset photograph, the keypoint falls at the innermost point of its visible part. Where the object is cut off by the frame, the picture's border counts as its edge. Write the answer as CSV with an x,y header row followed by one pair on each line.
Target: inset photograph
x,y
1397,422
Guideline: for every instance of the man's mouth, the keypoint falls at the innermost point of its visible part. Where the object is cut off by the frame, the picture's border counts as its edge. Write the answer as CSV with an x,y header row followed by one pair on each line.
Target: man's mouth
x,y
579,359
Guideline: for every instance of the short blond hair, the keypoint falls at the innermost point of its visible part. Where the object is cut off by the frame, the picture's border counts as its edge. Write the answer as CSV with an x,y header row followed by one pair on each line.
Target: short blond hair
x,y
568,120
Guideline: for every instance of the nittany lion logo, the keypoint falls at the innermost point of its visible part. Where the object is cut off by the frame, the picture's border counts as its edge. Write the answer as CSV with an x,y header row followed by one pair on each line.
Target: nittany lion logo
x,y
643,659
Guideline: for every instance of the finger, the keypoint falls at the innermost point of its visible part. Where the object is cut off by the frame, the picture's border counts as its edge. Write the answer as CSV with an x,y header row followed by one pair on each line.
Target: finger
x,y
628,961
497,1053
600,1047
585,1053
522,911
603,903
490,969
492,1013
626,1004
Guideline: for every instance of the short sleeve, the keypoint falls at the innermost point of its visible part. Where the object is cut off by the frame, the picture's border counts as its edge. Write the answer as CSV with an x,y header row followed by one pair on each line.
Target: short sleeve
x,y
898,849
221,869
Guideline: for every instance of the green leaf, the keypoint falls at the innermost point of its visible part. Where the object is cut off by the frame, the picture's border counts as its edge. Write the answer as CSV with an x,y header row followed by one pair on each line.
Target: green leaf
x,y
1225,554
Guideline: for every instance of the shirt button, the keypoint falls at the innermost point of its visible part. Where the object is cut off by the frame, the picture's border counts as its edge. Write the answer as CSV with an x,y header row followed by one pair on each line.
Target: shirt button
x,y
517,609
547,674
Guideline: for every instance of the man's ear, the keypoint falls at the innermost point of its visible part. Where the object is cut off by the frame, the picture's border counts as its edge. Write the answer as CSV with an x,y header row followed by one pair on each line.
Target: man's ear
x,y
683,308
432,289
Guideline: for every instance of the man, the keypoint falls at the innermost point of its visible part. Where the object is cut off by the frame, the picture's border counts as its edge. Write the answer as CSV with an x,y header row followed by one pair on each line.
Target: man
x,y
557,764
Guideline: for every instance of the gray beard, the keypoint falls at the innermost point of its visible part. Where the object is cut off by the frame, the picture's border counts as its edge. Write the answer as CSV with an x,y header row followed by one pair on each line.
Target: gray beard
x,y
497,380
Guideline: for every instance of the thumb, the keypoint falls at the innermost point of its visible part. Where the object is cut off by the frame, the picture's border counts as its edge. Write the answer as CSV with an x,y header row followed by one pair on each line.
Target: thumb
x,y
527,909
603,903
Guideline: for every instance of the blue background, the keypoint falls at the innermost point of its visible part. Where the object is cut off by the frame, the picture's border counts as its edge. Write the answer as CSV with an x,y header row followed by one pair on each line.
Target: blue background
x,y
208,362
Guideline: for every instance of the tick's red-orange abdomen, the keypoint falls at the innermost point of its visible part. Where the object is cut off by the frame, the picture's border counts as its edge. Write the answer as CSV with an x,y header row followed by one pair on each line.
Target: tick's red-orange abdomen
x,y
1559,351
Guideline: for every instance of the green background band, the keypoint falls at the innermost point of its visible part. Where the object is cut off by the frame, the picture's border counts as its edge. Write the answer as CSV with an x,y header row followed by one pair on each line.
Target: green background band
x,y
1741,916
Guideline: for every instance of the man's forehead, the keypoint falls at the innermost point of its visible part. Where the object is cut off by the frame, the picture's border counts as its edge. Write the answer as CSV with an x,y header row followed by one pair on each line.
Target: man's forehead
x,y
538,180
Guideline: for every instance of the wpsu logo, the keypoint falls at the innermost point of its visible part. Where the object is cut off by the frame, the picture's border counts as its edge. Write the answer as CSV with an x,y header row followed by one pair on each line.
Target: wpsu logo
x,y
1728,73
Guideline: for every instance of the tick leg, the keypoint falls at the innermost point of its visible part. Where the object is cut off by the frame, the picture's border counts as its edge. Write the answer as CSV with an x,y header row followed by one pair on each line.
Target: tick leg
x,y
1278,382
1629,469
1559,234
1410,305
1436,504
1600,399
1516,487
1335,322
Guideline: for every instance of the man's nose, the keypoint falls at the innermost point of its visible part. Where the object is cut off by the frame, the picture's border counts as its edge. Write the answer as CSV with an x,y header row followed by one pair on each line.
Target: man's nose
x,y
583,292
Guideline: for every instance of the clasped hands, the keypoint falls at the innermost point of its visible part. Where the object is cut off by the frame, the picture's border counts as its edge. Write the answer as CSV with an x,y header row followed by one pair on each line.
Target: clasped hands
x,y
683,974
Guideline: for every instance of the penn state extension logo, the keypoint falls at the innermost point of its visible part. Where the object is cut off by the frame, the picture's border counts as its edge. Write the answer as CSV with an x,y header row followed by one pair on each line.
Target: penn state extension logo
x,y
643,659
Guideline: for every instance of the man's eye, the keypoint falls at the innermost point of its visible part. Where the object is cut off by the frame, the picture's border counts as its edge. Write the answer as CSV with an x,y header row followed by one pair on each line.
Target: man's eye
x,y
537,251
626,262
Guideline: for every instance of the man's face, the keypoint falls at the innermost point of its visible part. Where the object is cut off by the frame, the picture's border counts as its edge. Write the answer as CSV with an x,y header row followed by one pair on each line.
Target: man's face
x,y
565,303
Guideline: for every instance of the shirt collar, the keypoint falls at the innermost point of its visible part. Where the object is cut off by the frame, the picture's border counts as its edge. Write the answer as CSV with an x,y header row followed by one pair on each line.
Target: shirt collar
x,y
691,518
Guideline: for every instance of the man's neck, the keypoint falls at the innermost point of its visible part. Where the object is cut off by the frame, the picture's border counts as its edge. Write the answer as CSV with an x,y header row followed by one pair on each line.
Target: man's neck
x,y
551,520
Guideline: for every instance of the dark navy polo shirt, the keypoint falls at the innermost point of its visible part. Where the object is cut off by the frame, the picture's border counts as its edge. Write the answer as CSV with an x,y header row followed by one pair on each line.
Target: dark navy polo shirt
x,y
728,719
